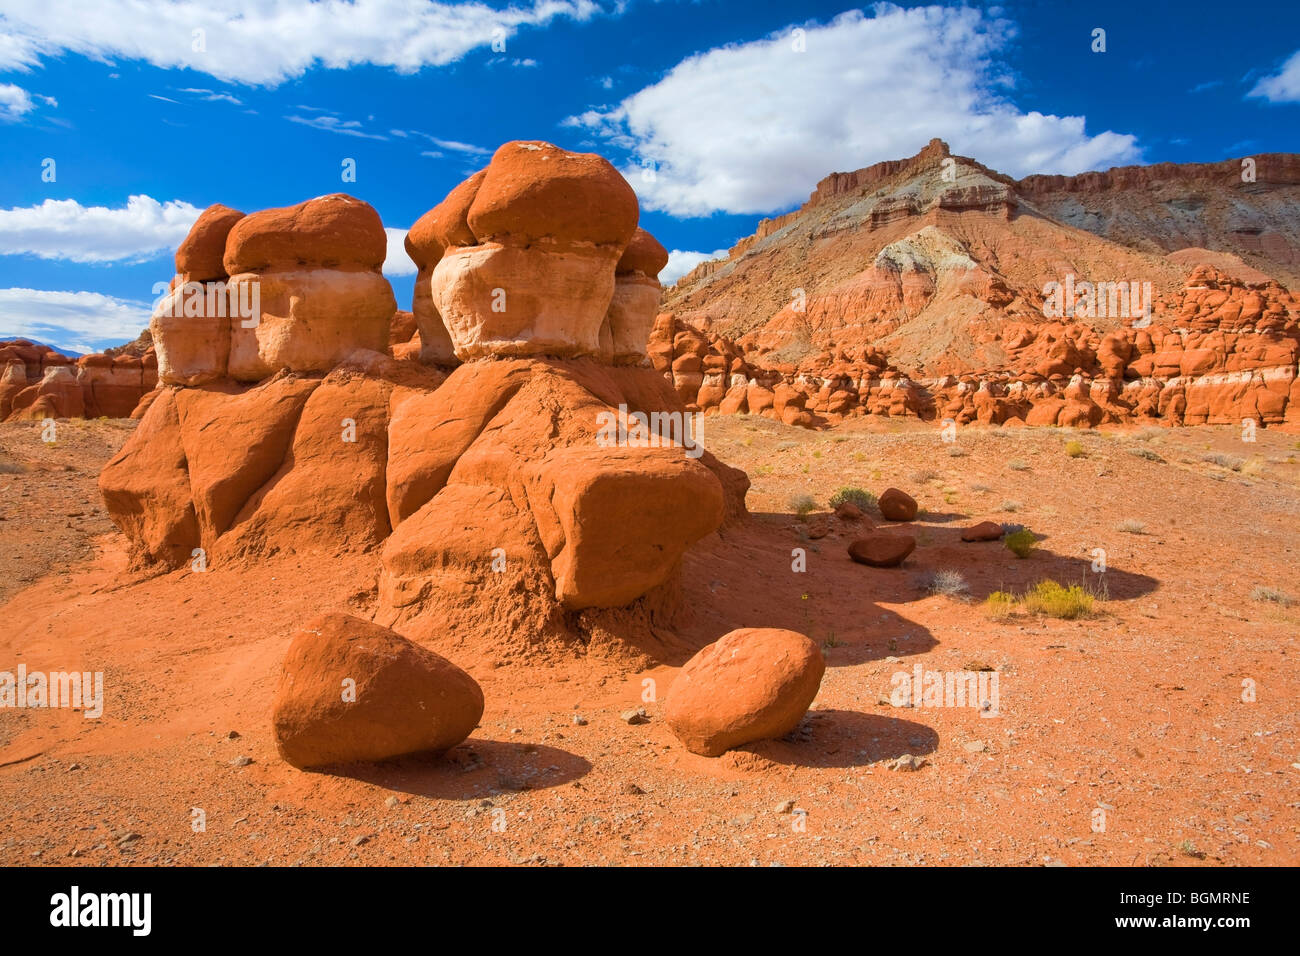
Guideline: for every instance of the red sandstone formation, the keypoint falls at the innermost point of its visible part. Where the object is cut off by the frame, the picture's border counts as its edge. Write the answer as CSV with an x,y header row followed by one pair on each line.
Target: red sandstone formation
x,y
951,318
37,382
498,505
530,253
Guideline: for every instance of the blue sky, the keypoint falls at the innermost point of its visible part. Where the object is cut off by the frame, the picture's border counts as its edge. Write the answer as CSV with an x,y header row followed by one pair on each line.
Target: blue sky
x,y
718,112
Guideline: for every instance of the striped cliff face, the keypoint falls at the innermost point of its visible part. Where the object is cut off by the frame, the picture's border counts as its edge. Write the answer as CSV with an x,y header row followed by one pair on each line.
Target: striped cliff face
x,y
936,287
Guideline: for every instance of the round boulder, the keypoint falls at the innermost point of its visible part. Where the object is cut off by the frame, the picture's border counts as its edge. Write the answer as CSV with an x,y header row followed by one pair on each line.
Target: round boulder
x,y
353,691
848,511
751,684
882,550
335,231
897,505
536,193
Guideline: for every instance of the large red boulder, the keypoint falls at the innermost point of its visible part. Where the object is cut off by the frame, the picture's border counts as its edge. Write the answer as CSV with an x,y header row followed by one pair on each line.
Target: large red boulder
x,y
882,550
752,684
897,505
333,232
353,691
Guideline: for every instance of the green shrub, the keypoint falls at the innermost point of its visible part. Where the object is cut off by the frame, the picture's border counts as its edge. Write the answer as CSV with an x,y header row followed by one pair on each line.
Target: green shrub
x,y
803,505
1050,598
1000,605
1074,449
860,497
1021,543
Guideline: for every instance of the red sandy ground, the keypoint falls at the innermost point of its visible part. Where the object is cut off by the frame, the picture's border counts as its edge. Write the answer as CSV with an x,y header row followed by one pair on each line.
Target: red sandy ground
x,y
1138,710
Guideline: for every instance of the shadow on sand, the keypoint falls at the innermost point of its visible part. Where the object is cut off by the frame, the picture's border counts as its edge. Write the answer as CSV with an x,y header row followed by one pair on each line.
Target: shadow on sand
x,y
473,769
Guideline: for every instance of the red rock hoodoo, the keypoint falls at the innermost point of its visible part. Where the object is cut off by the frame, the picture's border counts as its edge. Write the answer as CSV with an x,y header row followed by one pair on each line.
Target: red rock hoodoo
x,y
502,469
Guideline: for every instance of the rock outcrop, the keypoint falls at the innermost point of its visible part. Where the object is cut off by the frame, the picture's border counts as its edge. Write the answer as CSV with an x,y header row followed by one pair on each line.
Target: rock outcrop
x,y
921,288
36,382
530,249
525,489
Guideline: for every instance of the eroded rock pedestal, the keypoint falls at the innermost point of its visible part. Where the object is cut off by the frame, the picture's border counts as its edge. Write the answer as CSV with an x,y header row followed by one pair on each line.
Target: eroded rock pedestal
x,y
490,469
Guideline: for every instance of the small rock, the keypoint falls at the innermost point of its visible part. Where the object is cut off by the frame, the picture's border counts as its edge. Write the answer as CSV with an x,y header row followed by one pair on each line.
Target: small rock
x,y
984,531
579,721
241,761
975,746
233,735
785,806
848,511
637,716
632,789
391,802
360,840
907,762
882,550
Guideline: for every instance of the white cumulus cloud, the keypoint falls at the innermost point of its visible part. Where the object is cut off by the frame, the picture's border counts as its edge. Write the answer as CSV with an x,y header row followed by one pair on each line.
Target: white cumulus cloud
x,y
265,42
751,127
64,229
14,101
397,262
681,262
1282,87
71,321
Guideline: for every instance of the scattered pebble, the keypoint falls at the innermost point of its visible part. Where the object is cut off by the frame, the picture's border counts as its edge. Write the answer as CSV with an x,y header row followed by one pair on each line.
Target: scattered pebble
x,y
906,762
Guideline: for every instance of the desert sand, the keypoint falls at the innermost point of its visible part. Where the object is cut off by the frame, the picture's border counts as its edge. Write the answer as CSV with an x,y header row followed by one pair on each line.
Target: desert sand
x,y
1136,711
